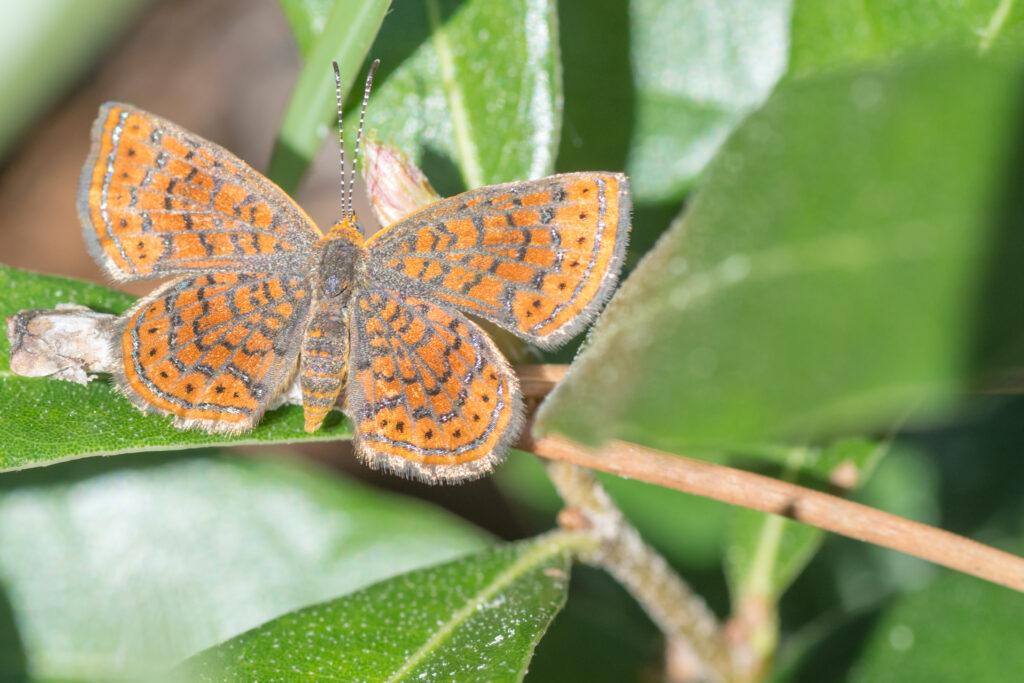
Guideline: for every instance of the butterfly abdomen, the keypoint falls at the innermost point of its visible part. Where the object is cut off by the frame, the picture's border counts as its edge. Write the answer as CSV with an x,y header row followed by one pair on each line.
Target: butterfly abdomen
x,y
324,364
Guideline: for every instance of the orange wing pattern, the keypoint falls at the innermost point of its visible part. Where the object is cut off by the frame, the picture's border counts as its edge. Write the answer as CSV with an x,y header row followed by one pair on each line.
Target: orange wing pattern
x,y
429,394
155,199
536,257
213,350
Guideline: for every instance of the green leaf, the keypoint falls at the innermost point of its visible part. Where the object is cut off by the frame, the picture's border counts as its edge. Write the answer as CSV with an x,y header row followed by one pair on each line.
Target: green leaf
x,y
121,568
349,31
474,619
44,420
307,20
842,33
699,68
847,261
473,86
958,629
908,484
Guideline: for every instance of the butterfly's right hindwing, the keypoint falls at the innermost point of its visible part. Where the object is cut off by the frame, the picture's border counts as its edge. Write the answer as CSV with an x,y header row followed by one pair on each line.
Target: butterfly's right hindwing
x,y
429,394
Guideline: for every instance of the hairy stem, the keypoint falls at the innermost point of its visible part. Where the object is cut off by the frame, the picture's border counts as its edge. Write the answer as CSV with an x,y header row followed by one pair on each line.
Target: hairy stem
x,y
699,651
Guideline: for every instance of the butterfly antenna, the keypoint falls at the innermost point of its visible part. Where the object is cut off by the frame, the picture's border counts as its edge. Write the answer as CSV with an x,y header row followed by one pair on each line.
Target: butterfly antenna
x,y
346,208
362,118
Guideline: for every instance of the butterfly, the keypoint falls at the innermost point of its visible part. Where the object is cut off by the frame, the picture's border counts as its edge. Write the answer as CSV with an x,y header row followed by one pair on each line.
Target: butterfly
x,y
259,292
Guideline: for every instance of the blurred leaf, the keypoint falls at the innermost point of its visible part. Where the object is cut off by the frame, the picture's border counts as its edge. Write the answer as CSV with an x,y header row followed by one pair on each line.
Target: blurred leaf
x,y
474,619
44,420
348,33
687,529
307,20
975,467
848,259
121,568
765,553
699,68
826,653
840,33
957,629
471,91
32,72
906,484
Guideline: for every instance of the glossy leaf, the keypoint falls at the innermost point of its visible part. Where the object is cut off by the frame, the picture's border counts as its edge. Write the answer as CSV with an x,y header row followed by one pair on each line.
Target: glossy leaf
x,y
957,629
471,91
848,260
699,68
122,568
44,420
474,619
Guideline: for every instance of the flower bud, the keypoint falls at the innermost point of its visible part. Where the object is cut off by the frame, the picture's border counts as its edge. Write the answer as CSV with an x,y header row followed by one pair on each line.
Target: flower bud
x,y
395,186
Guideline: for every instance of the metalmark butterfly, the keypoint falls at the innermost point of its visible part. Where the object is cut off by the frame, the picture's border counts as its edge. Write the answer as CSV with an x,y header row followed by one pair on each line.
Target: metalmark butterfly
x,y
260,292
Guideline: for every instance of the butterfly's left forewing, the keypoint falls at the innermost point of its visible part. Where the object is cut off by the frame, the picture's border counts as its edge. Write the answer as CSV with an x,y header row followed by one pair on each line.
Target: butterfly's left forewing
x,y
155,200
429,394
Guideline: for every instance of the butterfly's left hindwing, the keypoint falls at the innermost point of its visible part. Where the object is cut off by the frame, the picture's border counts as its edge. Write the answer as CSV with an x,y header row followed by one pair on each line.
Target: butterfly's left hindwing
x,y
429,394
213,350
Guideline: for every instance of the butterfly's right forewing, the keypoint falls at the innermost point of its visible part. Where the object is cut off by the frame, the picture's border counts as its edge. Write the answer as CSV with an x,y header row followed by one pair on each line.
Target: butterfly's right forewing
x,y
536,257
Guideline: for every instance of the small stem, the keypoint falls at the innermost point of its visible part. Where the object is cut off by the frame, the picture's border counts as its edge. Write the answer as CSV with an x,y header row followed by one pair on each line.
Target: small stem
x,y
818,509
755,613
691,629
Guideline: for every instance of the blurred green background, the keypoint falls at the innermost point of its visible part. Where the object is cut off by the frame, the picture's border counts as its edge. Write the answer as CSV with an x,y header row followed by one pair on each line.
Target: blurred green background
x,y
840,187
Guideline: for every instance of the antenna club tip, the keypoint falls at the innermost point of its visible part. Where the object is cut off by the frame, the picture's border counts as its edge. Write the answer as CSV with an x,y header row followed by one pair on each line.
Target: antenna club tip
x,y
337,71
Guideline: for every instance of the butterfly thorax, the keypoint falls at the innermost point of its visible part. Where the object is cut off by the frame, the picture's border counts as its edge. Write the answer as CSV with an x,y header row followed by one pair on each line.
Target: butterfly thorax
x,y
342,256
325,345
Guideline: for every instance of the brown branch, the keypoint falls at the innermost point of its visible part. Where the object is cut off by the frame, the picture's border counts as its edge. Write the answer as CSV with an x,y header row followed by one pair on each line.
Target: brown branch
x,y
818,509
